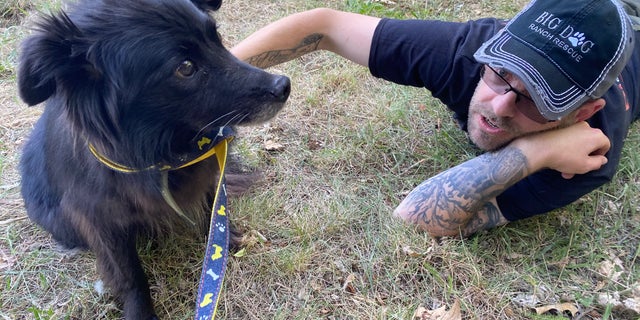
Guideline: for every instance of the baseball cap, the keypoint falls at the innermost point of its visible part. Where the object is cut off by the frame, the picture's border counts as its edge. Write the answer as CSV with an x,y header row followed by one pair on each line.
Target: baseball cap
x,y
565,51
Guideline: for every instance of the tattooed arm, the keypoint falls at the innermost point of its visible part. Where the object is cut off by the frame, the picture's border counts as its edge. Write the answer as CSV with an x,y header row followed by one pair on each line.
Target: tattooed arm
x,y
344,33
462,200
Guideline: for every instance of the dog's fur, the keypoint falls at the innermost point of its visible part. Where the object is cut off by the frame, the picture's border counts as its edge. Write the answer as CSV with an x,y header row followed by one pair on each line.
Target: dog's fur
x,y
138,80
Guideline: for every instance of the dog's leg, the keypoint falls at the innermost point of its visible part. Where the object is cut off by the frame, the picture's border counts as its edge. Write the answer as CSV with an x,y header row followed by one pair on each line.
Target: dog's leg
x,y
120,267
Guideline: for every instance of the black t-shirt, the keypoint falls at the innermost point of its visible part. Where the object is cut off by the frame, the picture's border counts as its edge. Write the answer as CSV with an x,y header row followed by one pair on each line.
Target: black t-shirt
x,y
438,56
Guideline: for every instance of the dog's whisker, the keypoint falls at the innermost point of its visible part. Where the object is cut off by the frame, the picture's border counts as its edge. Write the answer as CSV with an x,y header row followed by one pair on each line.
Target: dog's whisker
x,y
242,117
216,120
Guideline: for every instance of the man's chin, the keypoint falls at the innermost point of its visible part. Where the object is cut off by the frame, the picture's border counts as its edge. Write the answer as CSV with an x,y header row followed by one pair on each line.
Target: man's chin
x,y
488,146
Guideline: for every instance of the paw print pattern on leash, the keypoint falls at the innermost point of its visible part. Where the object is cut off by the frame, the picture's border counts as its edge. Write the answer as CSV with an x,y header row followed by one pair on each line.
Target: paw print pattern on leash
x,y
220,227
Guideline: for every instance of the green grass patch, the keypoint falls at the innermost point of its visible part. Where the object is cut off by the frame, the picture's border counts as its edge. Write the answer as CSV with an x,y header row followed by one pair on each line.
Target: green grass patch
x,y
321,241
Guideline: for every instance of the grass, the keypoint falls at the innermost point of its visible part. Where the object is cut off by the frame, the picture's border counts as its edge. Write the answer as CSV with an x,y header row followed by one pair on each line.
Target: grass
x,y
12,13
321,241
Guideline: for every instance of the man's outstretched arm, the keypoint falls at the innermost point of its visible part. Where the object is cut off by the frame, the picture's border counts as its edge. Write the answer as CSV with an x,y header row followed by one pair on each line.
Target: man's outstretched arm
x,y
347,34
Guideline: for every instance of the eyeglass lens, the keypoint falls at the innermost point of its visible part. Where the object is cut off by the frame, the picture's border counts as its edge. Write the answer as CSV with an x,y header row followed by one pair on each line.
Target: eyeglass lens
x,y
497,81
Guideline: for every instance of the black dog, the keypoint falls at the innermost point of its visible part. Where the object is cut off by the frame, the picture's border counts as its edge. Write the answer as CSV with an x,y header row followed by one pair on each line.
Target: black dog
x,y
139,82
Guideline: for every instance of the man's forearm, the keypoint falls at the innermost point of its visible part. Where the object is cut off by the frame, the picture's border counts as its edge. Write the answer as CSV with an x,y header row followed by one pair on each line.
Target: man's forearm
x,y
461,200
283,40
273,57
344,33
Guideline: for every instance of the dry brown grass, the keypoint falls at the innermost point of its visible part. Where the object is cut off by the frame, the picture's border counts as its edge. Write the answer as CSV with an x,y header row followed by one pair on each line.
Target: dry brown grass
x,y
322,243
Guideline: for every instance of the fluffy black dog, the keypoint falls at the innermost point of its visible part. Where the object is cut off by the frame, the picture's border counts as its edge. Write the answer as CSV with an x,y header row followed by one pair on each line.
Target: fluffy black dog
x,y
139,82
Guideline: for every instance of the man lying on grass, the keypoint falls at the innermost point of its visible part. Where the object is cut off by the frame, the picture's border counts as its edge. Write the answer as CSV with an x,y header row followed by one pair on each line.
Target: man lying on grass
x,y
549,95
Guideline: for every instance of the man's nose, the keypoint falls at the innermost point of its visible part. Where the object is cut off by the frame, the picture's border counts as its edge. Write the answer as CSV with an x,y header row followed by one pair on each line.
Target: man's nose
x,y
504,105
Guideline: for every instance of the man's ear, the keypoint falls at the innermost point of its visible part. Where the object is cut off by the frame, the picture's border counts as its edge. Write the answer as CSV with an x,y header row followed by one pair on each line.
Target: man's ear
x,y
589,108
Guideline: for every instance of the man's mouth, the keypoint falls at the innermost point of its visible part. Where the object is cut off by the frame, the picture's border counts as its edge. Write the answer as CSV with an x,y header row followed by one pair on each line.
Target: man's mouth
x,y
490,123
490,126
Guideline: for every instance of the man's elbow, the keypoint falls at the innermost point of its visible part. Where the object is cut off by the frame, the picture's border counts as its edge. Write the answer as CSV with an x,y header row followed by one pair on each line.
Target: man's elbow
x,y
424,223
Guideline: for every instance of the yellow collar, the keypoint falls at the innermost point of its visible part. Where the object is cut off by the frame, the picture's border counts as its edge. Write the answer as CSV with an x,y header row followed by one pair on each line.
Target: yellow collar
x,y
219,149
126,169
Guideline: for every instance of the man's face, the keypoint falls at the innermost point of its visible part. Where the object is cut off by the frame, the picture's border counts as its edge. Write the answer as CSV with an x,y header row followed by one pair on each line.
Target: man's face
x,y
495,119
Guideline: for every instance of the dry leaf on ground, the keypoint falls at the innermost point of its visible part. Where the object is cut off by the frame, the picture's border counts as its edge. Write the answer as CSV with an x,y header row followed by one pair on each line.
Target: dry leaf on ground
x,y
6,260
440,313
271,145
560,307
410,252
611,269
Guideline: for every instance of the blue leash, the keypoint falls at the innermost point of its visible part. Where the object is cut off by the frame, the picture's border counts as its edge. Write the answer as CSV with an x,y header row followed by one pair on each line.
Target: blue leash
x,y
217,253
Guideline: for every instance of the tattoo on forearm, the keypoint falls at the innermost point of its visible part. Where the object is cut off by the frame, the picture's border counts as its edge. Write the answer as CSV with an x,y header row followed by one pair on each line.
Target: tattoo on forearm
x,y
459,198
271,58
487,218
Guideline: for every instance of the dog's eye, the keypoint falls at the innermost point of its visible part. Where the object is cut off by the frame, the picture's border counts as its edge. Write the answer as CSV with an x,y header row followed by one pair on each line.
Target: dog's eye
x,y
186,69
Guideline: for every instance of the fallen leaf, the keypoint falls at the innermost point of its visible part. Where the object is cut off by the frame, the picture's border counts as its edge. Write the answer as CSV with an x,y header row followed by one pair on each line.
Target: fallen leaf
x,y
509,312
348,284
410,252
526,300
271,145
609,298
611,269
324,311
240,253
420,312
439,314
314,144
6,261
250,239
632,304
561,308
99,287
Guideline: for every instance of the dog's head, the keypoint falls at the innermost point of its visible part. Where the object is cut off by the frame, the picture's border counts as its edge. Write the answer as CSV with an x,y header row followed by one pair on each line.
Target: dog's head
x,y
144,75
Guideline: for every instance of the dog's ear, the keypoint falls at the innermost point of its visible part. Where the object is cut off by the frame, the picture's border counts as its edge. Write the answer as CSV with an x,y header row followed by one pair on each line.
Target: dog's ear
x,y
60,60
47,57
36,81
204,5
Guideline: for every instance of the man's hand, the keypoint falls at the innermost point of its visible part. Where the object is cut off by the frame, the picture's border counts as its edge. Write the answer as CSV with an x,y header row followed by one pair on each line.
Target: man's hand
x,y
576,149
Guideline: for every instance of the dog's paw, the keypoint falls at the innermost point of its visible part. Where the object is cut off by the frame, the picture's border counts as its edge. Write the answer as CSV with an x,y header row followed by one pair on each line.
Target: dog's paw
x,y
204,5
236,239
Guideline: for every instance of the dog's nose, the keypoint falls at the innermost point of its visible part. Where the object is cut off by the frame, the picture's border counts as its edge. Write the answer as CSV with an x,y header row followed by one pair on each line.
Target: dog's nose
x,y
281,88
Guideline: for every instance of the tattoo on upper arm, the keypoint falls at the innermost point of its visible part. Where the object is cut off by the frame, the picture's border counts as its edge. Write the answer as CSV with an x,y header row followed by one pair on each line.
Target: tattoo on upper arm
x,y
461,195
271,58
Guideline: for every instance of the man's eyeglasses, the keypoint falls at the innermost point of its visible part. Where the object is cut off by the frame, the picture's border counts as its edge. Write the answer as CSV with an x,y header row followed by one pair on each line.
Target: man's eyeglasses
x,y
497,81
